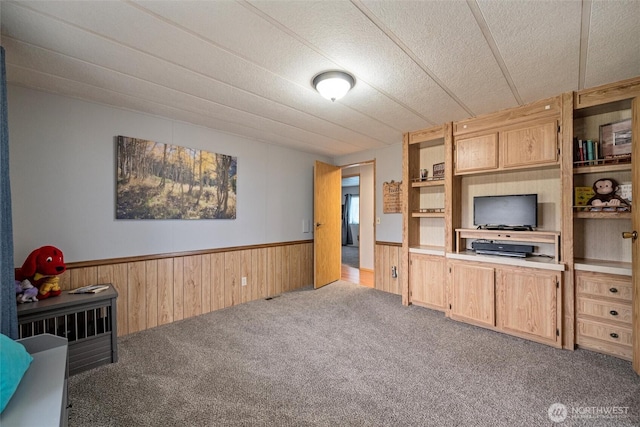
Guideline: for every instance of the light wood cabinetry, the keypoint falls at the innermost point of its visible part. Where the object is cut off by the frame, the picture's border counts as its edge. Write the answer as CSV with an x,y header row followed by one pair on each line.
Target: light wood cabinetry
x,y
603,260
472,293
527,303
476,153
524,137
567,298
532,145
427,280
428,207
604,313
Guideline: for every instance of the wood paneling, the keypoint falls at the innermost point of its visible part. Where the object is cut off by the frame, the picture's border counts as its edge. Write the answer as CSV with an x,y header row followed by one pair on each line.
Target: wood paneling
x,y
136,294
217,281
157,291
151,297
386,257
165,291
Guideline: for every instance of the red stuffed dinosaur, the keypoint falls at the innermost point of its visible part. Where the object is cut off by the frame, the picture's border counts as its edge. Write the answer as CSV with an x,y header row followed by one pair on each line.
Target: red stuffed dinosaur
x,y
42,268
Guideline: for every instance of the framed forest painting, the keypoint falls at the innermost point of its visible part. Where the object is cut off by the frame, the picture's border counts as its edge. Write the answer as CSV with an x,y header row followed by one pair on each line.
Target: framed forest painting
x,y
164,181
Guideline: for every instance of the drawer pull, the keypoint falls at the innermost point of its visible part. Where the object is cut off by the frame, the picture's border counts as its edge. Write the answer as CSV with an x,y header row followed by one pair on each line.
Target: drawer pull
x,y
613,290
613,313
613,335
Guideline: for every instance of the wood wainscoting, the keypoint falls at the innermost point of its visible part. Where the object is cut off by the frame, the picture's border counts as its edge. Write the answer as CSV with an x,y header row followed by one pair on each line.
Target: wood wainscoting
x,y
159,289
387,256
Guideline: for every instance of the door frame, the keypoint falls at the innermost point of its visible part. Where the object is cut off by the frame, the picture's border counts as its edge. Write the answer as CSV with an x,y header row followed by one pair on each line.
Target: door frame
x,y
371,162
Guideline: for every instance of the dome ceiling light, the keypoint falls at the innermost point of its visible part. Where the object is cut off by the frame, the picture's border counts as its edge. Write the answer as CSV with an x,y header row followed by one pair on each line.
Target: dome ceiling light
x,y
333,84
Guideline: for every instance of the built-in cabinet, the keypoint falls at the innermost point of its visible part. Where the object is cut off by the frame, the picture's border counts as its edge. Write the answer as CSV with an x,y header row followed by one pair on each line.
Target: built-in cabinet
x,y
604,313
515,300
427,283
472,293
577,288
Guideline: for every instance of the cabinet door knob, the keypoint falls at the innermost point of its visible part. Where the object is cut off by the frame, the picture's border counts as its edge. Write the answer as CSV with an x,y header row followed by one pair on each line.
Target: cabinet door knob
x,y
613,313
613,290
613,335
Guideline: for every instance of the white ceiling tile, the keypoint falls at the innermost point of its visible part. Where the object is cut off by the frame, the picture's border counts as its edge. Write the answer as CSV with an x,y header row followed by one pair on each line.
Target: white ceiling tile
x,y
613,53
540,43
246,67
445,35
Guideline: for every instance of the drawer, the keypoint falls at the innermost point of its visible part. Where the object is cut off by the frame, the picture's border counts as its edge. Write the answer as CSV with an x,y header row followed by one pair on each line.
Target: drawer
x,y
618,312
603,331
604,285
621,351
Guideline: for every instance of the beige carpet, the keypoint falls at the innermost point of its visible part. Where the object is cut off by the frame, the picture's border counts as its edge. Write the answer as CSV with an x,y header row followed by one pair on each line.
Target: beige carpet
x,y
344,355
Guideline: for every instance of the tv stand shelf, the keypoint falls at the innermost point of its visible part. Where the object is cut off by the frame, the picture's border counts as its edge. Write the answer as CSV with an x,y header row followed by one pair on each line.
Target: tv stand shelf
x,y
551,237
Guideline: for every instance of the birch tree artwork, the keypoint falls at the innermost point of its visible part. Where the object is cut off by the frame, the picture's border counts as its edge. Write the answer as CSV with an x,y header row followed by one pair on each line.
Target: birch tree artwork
x,y
163,181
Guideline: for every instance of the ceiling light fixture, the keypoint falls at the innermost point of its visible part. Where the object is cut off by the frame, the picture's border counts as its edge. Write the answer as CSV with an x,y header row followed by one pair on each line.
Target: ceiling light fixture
x,y
333,84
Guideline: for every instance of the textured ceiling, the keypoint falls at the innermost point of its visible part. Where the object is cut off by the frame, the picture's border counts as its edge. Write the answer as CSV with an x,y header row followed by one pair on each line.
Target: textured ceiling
x,y
245,67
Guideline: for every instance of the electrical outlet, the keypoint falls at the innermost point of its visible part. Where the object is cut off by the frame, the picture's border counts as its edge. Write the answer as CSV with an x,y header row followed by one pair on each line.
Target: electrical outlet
x,y
244,281
394,272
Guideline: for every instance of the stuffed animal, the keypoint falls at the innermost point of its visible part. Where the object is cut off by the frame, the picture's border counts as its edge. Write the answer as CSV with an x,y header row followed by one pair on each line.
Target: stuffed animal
x,y
42,268
605,189
26,292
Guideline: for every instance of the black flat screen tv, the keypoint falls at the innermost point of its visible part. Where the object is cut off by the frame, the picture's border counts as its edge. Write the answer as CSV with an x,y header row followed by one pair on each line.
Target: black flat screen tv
x,y
515,211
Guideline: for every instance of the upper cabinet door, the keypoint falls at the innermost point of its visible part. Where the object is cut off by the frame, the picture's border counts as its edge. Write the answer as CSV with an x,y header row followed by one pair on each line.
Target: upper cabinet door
x,y
476,154
531,145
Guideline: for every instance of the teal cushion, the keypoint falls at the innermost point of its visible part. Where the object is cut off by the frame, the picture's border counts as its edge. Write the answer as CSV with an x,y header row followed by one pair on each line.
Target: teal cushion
x,y
14,362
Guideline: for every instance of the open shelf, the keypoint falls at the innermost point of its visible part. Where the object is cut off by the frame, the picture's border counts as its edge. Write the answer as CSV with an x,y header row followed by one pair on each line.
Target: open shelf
x,y
427,214
601,215
428,183
603,266
427,250
551,237
602,168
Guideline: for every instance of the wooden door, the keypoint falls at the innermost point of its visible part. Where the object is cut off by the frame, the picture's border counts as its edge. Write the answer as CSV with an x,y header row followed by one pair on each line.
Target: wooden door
x,y
426,280
532,145
474,154
528,303
635,224
473,294
327,213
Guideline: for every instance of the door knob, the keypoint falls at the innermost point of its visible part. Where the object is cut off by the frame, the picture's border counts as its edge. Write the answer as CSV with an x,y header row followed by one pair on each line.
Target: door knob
x,y
318,224
633,235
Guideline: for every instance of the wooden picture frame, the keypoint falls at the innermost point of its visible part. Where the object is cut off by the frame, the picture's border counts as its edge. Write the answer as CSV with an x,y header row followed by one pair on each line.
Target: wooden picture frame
x,y
615,139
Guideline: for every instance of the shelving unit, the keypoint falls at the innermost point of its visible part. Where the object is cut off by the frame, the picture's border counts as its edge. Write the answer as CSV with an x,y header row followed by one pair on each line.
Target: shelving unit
x,y
602,260
427,214
548,237
562,297
593,231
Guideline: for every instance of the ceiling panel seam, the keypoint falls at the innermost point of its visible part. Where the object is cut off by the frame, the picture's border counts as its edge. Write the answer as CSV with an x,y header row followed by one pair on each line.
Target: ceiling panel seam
x,y
486,32
407,51
208,77
319,51
206,100
266,70
179,109
585,24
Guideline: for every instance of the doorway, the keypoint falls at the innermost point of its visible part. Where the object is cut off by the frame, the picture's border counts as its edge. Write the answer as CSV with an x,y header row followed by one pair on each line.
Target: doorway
x,y
357,228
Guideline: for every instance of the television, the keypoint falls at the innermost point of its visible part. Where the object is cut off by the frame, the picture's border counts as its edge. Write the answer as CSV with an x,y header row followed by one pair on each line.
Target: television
x,y
515,211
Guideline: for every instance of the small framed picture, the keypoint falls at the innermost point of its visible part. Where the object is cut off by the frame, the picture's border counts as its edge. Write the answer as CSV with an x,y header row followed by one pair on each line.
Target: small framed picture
x,y
615,139
438,170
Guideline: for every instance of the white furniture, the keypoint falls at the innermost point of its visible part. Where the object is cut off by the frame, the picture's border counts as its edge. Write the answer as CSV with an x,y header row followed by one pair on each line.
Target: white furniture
x,y
41,397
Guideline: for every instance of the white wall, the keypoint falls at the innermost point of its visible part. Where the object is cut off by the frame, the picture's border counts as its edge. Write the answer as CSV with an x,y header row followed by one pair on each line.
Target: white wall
x,y
62,165
388,167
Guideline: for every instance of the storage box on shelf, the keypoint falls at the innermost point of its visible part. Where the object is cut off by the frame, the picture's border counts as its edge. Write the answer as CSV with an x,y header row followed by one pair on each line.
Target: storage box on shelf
x,y
87,321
